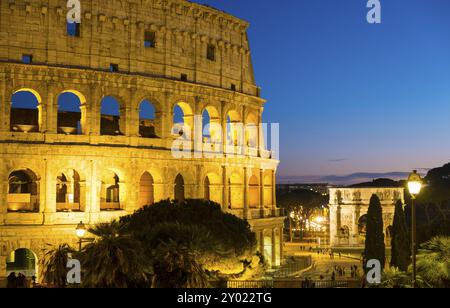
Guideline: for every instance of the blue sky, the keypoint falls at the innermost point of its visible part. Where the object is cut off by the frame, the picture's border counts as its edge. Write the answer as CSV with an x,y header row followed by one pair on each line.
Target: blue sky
x,y
351,96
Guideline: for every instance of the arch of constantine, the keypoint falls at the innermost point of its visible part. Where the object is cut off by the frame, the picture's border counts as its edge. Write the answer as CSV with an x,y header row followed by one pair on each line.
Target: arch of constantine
x,y
348,209
105,157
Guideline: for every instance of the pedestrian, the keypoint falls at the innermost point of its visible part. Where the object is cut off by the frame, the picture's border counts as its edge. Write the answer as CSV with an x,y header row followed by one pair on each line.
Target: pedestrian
x,y
333,276
12,281
21,281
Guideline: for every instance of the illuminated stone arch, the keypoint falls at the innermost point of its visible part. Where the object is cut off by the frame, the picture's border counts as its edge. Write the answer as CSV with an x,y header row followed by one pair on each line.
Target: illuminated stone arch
x,y
253,192
236,191
146,190
234,128
182,119
23,190
23,260
112,116
268,187
70,191
110,192
27,118
211,125
71,118
212,187
179,188
150,113
251,130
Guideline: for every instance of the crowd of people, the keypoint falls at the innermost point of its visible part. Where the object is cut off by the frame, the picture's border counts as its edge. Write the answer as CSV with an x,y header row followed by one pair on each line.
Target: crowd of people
x,y
17,281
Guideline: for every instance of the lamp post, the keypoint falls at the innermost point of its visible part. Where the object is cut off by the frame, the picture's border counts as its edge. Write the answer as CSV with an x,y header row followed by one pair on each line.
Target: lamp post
x,y
414,187
80,231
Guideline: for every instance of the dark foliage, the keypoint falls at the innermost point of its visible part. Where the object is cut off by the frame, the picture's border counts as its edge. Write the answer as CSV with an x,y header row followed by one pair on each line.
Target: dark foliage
x,y
374,245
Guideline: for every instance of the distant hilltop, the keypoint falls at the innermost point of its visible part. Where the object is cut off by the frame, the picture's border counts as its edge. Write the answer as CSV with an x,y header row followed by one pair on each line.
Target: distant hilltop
x,y
345,180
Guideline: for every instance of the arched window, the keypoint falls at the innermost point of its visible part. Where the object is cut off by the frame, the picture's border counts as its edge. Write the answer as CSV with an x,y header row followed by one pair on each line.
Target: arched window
x,y
179,188
69,113
183,120
234,128
236,192
211,128
207,192
111,122
68,192
110,192
23,192
24,115
146,190
362,225
251,131
253,191
147,117
23,261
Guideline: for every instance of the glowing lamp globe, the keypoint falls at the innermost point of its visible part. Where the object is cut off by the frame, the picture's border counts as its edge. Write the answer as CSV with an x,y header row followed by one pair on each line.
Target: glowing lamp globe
x,y
414,183
81,230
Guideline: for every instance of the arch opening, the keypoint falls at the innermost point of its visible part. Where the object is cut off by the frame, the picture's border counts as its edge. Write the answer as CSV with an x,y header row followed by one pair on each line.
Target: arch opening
x,y
111,122
183,120
179,192
70,115
24,114
110,192
253,192
211,128
22,268
146,190
69,192
23,192
234,129
147,120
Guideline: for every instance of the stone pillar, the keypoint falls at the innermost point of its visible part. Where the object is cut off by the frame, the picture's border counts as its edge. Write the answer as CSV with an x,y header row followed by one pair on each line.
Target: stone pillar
x,y
96,185
83,196
132,122
261,191
274,190
94,112
86,118
5,102
246,193
51,116
275,248
3,199
225,201
50,193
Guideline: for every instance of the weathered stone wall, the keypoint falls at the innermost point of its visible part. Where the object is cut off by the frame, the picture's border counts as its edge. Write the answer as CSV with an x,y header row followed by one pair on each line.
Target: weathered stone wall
x,y
348,205
113,32
242,179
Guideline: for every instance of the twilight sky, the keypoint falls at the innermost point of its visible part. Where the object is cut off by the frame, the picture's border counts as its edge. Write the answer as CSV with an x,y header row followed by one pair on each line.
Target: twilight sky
x,y
350,96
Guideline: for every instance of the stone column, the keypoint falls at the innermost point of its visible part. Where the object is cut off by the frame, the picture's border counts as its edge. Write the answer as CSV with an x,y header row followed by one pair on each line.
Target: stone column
x,y
86,119
246,193
275,249
5,102
225,188
261,191
274,190
3,199
50,194
51,117
83,196
94,112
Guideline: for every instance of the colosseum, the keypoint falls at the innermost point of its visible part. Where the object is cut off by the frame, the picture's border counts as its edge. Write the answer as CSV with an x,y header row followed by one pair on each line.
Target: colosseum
x,y
91,114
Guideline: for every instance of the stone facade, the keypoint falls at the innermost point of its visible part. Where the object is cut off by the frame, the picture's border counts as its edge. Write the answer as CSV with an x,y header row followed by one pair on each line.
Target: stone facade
x,y
53,176
348,207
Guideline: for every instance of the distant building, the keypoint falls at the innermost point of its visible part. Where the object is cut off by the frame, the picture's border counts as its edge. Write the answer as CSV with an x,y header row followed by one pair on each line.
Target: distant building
x,y
320,188
348,209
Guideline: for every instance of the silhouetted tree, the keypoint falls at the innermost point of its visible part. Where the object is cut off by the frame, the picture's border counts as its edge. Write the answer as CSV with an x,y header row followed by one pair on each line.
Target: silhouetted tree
x,y
374,245
401,252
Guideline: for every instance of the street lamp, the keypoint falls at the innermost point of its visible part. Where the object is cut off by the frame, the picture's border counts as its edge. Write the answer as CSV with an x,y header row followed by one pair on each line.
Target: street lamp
x,y
414,187
80,231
